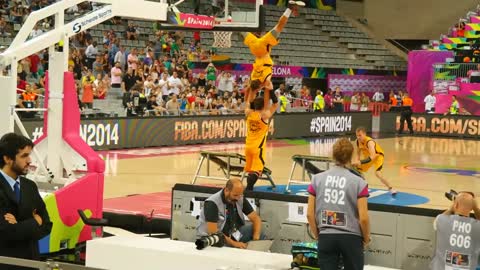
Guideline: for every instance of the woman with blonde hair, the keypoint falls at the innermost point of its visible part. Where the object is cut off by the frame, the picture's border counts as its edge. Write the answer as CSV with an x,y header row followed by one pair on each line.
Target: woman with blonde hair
x,y
338,212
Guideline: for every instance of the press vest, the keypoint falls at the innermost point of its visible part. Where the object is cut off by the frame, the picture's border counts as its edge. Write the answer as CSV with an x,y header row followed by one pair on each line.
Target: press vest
x,y
458,243
336,209
222,213
319,103
454,107
283,104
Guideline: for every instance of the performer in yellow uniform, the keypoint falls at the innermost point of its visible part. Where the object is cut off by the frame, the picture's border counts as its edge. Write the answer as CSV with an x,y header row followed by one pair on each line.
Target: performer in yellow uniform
x,y
257,129
370,153
260,47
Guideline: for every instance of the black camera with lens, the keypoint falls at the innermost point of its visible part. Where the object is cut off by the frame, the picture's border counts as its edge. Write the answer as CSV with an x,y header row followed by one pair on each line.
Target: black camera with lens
x,y
451,195
216,239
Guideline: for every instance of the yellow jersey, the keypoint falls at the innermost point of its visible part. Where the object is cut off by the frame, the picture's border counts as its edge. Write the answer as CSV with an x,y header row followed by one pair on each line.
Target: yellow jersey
x,y
364,148
257,131
260,47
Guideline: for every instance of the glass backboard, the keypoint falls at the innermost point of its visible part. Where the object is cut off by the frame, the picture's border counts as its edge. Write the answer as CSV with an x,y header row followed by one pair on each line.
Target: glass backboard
x,y
217,15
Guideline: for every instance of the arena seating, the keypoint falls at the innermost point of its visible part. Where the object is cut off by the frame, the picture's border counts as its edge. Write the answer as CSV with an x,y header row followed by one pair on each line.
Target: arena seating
x,y
339,45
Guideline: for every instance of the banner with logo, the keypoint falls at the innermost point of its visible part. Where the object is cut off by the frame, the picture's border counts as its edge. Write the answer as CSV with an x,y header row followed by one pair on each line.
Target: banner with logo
x,y
316,124
296,71
192,21
434,124
120,133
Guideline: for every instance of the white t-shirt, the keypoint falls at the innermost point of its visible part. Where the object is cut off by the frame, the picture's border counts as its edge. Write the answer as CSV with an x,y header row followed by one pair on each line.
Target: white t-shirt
x,y
222,83
229,84
116,79
429,102
91,51
175,85
163,86
377,97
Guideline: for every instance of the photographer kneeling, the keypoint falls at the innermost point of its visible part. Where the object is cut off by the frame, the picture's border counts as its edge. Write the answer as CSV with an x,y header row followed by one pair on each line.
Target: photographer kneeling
x,y
223,212
458,235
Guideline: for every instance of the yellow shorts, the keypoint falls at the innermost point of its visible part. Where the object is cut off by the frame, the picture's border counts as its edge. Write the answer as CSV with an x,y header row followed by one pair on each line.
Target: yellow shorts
x,y
254,159
377,163
261,75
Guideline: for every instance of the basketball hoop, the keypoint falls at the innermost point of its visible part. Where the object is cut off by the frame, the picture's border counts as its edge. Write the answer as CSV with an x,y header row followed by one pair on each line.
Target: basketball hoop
x,y
222,39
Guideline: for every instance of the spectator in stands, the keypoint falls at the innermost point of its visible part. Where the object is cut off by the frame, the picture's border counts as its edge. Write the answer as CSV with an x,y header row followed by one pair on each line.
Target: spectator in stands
x,y
364,101
355,102
97,67
116,82
211,72
148,85
129,80
319,103
458,235
91,52
201,80
430,101
173,106
4,31
133,59
163,85
88,75
340,223
222,82
153,107
36,31
100,90
16,14
183,103
120,57
34,62
131,31
328,101
87,94
175,85
378,96
337,101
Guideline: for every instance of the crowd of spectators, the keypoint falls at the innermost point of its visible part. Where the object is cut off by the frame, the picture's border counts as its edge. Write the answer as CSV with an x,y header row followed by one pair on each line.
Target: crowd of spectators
x,y
157,79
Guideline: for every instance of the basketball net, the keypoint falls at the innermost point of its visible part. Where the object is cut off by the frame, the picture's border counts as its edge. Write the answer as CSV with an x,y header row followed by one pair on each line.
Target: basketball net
x,y
222,39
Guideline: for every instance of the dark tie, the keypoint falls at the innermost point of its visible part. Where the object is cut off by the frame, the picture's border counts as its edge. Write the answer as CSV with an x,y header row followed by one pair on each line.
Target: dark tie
x,y
16,189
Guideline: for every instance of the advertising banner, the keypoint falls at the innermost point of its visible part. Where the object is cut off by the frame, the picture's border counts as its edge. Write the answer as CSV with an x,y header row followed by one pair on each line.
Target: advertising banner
x,y
120,133
434,124
192,21
366,83
315,124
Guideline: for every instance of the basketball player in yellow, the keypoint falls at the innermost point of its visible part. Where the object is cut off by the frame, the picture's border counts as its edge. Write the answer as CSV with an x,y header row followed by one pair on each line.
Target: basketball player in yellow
x,y
370,153
258,117
260,47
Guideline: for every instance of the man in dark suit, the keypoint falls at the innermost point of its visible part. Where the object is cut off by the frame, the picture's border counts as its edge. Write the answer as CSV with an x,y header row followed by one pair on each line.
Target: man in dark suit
x,y
23,217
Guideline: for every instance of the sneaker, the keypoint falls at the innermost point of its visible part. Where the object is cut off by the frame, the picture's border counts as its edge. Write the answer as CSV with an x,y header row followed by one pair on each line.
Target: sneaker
x,y
293,5
392,191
